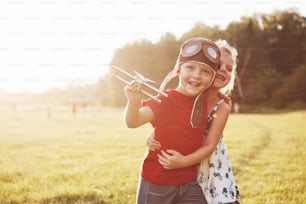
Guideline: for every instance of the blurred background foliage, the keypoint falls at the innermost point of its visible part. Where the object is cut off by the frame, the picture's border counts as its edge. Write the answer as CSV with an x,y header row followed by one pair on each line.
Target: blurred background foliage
x,y
271,65
271,60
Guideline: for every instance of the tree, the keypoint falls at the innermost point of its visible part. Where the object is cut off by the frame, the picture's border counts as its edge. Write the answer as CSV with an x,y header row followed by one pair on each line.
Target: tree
x,y
263,85
293,90
286,33
269,48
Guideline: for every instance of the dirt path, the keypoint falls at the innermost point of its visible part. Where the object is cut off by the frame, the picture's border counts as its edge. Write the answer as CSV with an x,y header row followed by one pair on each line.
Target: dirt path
x,y
274,170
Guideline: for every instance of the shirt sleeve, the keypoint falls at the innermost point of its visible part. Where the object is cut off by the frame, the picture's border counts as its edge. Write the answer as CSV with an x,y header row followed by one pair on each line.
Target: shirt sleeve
x,y
159,109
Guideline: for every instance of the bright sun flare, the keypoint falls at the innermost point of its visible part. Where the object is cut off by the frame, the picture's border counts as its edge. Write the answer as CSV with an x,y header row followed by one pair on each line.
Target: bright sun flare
x,y
49,43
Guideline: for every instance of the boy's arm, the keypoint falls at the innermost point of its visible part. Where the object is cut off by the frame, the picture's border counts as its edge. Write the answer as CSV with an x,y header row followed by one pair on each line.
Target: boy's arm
x,y
134,114
172,159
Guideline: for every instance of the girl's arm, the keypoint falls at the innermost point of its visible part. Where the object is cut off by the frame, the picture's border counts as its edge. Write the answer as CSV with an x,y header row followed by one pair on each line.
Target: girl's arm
x,y
134,114
152,142
171,159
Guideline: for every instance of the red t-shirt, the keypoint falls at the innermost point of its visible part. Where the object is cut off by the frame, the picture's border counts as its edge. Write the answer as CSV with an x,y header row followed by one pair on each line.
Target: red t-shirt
x,y
173,129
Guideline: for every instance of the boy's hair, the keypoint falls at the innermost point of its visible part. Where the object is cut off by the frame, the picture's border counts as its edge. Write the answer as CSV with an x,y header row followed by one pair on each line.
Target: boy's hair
x,y
223,44
200,50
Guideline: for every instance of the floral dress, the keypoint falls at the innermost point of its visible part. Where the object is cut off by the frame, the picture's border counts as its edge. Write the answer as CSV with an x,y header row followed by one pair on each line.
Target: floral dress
x,y
215,176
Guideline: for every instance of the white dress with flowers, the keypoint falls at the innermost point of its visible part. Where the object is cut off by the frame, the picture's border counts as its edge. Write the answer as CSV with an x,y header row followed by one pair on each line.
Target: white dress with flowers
x,y
215,176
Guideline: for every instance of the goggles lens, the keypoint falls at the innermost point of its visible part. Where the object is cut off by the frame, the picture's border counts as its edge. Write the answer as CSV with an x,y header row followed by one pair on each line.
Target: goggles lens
x,y
212,52
191,49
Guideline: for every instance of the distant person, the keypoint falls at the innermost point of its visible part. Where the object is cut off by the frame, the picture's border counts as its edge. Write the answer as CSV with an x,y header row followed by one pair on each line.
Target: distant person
x,y
236,107
215,176
49,112
13,107
174,125
74,109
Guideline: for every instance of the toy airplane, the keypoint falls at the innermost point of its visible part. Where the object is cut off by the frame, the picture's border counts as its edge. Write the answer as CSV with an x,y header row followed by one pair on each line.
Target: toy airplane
x,y
138,78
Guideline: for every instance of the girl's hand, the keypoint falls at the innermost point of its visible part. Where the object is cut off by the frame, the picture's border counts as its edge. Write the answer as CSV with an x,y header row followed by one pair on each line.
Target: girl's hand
x,y
225,98
152,142
171,159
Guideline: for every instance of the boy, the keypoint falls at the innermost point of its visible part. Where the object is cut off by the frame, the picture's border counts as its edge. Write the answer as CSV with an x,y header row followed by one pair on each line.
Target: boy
x,y
173,124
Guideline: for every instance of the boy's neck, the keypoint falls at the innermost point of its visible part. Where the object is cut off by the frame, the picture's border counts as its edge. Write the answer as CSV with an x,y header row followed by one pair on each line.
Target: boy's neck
x,y
181,91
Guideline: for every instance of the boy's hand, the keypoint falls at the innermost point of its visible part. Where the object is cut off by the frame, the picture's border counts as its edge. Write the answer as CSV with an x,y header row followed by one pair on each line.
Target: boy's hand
x,y
132,91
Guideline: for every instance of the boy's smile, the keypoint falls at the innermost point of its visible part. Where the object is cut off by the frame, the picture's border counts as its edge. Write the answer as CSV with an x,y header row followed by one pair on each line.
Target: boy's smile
x,y
195,77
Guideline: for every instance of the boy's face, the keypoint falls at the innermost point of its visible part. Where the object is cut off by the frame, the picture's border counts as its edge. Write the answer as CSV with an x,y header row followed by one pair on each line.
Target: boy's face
x,y
195,78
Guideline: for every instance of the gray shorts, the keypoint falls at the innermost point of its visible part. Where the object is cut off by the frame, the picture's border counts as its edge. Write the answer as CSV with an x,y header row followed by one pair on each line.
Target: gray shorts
x,y
187,193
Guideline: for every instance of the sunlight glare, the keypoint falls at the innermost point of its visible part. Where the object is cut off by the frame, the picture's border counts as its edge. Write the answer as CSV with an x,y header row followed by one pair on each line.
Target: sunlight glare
x,y
49,43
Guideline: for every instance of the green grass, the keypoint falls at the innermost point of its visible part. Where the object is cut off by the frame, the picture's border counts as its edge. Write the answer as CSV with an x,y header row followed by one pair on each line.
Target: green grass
x,y
271,167
94,158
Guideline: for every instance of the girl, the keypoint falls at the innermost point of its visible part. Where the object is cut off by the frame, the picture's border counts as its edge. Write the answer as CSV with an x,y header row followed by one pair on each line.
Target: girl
x,y
215,176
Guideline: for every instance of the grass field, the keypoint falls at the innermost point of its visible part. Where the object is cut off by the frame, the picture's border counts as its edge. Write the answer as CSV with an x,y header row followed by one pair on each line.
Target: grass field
x,y
94,158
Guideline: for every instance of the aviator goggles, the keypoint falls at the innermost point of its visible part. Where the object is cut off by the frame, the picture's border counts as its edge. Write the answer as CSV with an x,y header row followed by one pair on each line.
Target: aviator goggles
x,y
200,50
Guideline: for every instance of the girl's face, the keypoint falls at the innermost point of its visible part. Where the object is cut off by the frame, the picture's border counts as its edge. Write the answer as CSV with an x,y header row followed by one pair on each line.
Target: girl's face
x,y
194,78
223,75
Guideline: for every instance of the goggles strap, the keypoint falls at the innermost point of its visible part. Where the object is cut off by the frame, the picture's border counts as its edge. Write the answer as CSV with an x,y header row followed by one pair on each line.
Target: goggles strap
x,y
170,75
197,111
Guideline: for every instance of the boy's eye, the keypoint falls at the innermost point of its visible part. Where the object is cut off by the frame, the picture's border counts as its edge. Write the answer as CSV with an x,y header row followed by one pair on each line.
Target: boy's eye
x,y
189,67
205,71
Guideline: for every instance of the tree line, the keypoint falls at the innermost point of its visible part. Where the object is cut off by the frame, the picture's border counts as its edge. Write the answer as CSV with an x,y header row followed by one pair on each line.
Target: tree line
x,y
271,60
271,65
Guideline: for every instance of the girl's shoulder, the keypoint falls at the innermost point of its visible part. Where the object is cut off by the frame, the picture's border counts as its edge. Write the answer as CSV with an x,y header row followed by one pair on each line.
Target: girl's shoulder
x,y
226,99
225,107
222,106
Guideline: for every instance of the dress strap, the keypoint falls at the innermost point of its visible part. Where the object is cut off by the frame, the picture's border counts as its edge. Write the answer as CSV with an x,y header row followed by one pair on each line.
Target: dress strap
x,y
216,106
211,116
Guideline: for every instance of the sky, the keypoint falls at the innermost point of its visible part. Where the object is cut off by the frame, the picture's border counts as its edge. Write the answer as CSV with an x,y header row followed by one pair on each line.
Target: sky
x,y
47,43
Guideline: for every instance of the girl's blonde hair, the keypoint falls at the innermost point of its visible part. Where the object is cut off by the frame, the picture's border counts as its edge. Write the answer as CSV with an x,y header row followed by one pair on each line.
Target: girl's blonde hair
x,y
223,44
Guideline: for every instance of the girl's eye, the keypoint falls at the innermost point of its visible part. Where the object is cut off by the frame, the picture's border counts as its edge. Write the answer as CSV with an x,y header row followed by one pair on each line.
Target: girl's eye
x,y
229,68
